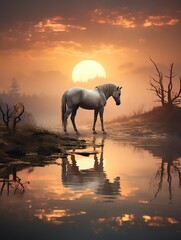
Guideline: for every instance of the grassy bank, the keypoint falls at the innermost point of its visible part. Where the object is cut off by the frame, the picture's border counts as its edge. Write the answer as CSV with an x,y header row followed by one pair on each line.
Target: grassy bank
x,y
160,120
35,146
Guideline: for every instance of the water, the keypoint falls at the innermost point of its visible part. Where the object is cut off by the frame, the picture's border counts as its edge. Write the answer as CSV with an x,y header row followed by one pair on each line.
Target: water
x,y
120,191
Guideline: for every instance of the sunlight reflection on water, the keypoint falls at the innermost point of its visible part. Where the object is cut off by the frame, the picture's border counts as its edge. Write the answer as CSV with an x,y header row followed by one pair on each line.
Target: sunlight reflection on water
x,y
118,190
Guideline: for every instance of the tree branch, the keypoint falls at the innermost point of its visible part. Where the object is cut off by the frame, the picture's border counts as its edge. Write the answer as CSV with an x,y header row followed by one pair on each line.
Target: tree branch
x,y
159,90
3,115
18,117
178,94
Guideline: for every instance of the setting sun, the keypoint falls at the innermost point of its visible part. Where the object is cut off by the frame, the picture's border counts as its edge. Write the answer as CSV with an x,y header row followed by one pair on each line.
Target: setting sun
x,y
87,70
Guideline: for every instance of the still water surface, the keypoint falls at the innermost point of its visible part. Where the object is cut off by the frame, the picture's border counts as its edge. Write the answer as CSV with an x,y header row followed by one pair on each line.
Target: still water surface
x,y
118,192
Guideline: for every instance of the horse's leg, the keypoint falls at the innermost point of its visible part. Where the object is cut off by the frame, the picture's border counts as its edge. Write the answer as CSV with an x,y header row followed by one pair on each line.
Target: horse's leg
x,y
95,119
101,111
73,119
68,112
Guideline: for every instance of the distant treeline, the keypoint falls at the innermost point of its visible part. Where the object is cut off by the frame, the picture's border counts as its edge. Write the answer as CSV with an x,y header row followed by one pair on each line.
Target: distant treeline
x,y
40,106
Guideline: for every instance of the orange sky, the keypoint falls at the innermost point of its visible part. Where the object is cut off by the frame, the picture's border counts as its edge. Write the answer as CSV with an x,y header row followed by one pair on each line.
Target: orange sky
x,y
41,41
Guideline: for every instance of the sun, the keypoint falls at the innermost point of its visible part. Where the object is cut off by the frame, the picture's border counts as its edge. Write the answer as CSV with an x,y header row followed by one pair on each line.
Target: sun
x,y
87,70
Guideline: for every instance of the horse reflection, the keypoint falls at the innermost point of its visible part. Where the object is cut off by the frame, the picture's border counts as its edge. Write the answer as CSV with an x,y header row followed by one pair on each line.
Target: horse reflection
x,y
94,177
109,188
11,182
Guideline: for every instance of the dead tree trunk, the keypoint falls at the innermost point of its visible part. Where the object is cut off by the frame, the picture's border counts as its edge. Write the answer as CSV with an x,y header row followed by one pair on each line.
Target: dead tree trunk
x,y
7,115
172,99
17,117
157,85
164,91
11,116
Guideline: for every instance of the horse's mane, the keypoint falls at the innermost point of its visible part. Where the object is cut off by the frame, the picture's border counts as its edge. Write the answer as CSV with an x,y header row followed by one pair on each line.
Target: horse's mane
x,y
107,89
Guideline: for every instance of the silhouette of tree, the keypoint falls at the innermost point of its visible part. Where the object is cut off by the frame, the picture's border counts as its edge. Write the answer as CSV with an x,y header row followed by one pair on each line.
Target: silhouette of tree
x,y
171,167
13,182
14,89
12,114
18,112
164,92
6,115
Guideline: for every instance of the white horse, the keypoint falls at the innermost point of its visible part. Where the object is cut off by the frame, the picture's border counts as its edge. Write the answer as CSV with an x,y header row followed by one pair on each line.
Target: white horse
x,y
94,99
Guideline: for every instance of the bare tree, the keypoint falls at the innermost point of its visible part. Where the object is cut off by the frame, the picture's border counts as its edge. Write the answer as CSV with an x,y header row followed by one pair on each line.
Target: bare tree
x,y
7,114
18,112
12,114
165,94
173,98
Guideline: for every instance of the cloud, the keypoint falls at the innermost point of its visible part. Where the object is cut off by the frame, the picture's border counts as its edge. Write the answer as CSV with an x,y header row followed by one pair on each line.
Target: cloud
x,y
13,12
83,28
160,21
127,19
55,25
104,16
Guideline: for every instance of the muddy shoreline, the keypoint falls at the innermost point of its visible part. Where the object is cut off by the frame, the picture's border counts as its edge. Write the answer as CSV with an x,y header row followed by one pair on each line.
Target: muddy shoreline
x,y
39,147
35,147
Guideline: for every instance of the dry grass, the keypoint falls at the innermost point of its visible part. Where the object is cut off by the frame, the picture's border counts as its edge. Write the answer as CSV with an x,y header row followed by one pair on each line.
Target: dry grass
x,y
159,120
34,142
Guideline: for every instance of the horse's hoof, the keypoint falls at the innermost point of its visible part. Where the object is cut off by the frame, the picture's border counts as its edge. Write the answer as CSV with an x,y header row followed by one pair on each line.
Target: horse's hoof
x,y
77,132
94,132
66,133
104,132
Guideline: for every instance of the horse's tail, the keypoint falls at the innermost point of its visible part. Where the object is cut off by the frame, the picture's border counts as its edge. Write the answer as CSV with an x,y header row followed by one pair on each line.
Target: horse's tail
x,y
64,101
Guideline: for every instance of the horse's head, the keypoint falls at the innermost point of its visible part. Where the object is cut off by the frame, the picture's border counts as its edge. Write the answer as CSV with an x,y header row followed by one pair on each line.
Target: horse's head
x,y
116,95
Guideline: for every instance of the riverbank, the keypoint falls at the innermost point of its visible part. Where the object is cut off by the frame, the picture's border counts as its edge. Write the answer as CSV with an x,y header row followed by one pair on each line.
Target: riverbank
x,y
35,146
159,122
